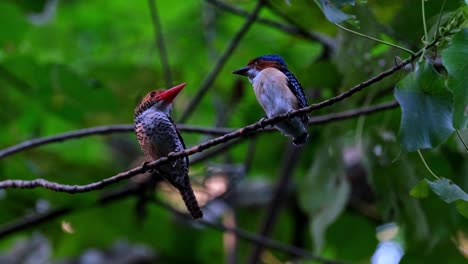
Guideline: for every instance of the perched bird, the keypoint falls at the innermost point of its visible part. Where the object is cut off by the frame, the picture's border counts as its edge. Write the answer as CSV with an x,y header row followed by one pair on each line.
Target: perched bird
x,y
278,92
158,136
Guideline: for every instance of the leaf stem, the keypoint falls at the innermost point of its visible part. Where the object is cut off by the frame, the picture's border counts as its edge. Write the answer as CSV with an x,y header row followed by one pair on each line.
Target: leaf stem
x,y
436,33
427,166
375,39
426,37
461,139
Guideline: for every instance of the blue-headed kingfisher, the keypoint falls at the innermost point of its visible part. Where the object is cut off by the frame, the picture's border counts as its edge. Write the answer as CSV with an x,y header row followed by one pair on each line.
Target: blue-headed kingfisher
x,y
278,92
158,136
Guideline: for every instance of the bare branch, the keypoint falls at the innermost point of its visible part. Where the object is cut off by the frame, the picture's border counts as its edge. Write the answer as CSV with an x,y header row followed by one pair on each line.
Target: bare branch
x,y
242,132
291,157
328,42
220,63
159,39
100,130
128,191
104,130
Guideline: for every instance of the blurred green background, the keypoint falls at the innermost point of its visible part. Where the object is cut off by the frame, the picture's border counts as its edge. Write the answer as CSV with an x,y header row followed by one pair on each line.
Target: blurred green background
x,y
67,65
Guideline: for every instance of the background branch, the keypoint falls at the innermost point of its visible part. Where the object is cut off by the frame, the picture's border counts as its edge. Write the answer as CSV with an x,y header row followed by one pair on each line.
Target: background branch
x,y
327,42
104,130
127,191
220,63
291,156
159,39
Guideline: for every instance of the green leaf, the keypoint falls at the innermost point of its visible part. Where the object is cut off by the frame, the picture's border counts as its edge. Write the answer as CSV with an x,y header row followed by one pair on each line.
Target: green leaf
x,y
462,207
427,109
332,11
324,193
455,60
447,190
421,190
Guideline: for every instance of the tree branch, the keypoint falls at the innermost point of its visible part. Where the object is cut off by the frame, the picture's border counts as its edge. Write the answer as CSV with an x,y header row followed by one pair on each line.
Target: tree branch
x,y
126,192
327,42
242,132
266,242
199,148
104,130
291,157
220,63
159,39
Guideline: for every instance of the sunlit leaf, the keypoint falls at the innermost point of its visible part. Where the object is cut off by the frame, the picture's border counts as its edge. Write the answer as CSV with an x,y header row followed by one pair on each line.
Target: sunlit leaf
x,y
455,60
462,207
421,190
447,190
427,109
332,9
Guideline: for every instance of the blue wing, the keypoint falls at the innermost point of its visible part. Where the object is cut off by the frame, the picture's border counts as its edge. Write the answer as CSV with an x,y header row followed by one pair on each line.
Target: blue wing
x,y
297,90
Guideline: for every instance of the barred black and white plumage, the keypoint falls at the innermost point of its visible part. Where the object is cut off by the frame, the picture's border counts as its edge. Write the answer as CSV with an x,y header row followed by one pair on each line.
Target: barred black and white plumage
x,y
158,136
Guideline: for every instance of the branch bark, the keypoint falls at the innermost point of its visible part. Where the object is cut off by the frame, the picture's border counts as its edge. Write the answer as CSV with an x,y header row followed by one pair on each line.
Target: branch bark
x,y
124,128
242,132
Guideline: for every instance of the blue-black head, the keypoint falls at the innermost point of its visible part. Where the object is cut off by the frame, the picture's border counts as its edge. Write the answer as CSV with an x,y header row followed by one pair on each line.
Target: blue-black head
x,y
263,62
272,58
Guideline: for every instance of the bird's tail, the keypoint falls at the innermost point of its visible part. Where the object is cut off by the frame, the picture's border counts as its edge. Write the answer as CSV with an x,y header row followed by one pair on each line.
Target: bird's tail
x,y
302,139
191,202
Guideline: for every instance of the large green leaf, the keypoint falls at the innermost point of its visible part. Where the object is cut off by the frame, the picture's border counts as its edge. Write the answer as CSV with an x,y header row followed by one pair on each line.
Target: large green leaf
x,y
332,9
427,109
447,190
324,193
455,60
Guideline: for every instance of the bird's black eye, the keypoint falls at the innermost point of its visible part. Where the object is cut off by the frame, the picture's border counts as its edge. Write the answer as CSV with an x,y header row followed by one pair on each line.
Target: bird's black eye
x,y
258,61
152,94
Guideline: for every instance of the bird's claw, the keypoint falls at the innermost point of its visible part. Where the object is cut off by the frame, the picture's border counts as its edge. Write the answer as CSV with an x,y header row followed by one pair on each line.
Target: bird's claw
x,y
262,122
145,168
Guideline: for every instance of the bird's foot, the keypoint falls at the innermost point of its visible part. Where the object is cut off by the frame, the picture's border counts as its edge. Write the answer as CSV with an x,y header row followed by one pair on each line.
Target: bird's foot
x,y
262,122
145,167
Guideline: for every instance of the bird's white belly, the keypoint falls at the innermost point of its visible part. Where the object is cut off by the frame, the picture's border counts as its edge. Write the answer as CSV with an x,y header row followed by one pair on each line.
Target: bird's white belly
x,y
272,92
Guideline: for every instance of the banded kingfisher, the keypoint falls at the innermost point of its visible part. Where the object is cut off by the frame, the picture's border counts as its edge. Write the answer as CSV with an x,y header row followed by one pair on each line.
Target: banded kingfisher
x,y
278,92
158,136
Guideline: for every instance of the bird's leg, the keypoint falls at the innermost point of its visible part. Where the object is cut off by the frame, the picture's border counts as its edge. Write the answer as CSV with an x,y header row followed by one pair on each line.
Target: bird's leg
x,y
262,122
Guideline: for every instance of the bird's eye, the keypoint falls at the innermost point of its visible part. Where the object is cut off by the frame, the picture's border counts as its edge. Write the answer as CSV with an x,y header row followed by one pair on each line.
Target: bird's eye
x,y
152,94
258,61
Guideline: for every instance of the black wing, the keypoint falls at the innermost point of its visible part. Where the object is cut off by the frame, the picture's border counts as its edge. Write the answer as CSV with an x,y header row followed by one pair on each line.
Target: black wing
x,y
297,90
180,138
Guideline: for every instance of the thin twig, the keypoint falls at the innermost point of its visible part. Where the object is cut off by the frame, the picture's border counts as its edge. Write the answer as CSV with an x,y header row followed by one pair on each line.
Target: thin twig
x,y
199,148
291,157
328,42
99,130
220,63
461,139
159,39
127,191
38,218
264,241
242,132
376,39
104,130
